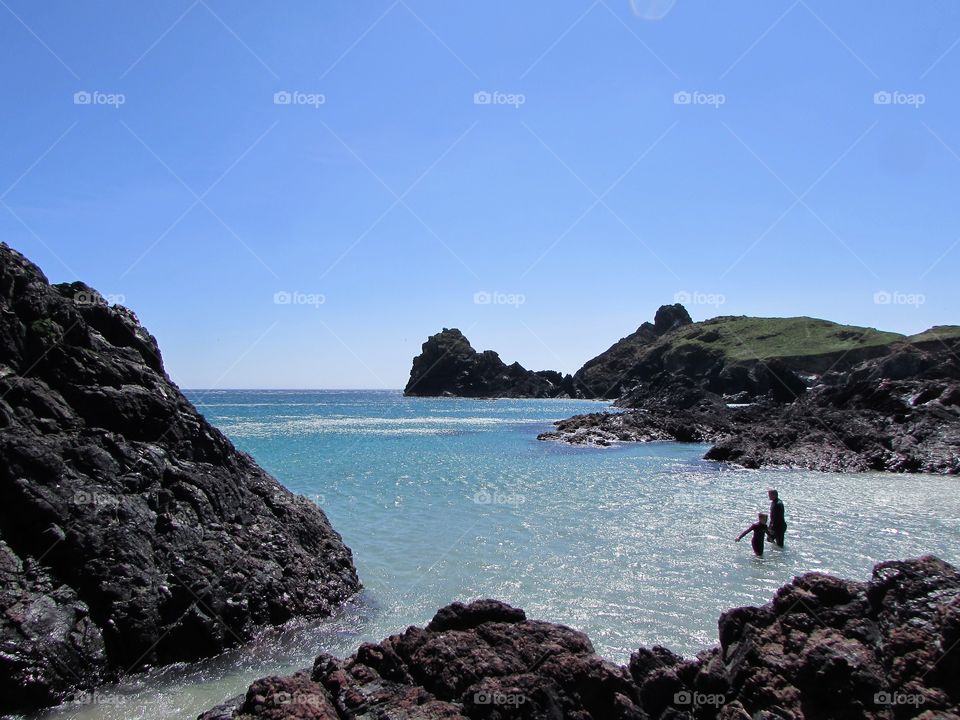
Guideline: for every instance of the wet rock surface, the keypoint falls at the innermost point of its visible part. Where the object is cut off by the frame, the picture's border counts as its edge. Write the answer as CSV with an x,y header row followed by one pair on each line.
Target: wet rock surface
x,y
132,532
822,648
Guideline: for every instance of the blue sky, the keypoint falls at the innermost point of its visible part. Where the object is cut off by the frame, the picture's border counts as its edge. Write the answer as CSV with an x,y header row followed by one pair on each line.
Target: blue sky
x,y
737,154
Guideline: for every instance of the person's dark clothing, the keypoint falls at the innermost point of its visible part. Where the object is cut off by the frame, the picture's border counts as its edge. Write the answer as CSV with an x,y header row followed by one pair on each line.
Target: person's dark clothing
x,y
778,522
760,532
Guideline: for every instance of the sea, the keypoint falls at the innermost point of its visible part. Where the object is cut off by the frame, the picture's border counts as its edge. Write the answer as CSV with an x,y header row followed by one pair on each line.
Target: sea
x,y
445,499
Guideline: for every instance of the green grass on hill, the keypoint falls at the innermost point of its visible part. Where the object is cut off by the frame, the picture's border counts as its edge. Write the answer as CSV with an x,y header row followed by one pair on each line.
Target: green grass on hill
x,y
745,338
938,332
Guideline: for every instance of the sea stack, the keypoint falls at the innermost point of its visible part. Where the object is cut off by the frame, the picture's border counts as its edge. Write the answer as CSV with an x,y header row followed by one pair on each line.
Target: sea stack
x,y
449,366
132,532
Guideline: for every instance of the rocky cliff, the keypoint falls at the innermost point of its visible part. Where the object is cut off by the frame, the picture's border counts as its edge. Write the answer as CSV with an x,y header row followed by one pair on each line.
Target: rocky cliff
x,y
132,532
822,648
741,358
896,413
448,365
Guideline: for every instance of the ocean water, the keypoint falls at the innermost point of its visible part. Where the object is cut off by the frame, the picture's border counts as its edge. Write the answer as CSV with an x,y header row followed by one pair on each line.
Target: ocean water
x,y
450,499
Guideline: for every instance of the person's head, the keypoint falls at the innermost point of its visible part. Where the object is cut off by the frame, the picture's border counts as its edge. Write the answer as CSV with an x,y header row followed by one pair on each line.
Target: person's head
x,y
762,517
772,494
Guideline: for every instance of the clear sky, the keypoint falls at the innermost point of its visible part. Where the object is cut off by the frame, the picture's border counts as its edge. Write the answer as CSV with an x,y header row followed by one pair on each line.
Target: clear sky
x,y
580,162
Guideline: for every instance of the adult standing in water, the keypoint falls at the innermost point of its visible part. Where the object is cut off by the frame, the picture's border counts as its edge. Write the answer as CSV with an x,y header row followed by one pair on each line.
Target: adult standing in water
x,y
778,521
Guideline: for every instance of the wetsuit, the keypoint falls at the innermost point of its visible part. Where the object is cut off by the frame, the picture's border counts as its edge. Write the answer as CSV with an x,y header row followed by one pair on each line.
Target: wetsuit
x,y
778,523
760,532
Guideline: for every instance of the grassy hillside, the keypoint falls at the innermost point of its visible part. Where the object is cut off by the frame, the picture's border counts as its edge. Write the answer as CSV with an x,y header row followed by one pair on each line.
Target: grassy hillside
x,y
939,332
749,338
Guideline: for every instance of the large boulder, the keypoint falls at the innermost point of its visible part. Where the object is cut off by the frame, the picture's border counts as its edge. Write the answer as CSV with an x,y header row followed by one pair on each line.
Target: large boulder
x,y
132,532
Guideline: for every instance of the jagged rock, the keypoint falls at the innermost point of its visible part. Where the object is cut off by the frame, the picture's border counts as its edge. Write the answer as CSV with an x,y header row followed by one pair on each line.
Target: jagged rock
x,y
132,532
448,365
822,648
897,413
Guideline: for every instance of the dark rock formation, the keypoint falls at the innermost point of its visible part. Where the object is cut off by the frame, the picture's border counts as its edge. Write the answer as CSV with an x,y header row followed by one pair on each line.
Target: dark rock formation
x,y
704,419
674,355
823,648
900,413
612,371
448,365
132,532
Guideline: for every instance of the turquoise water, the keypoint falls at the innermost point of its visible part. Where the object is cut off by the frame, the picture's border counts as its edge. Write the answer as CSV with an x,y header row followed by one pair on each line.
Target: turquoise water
x,y
448,499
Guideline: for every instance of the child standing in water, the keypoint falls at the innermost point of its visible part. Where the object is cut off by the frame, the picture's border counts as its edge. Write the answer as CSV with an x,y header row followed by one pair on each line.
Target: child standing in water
x,y
760,531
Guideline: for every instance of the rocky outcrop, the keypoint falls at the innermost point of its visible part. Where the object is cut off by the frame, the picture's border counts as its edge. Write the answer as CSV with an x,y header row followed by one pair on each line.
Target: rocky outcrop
x,y
449,366
673,355
611,372
132,532
702,421
900,413
897,413
822,648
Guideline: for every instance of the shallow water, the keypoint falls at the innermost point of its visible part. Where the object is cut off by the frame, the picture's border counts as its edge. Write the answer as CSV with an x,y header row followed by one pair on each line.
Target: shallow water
x,y
447,499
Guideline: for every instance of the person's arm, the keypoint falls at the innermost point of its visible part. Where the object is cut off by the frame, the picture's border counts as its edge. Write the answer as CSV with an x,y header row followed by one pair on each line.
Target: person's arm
x,y
744,533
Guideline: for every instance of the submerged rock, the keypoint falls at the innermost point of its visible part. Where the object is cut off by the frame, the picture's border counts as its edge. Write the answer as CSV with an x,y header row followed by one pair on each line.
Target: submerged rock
x,y
449,365
822,648
132,532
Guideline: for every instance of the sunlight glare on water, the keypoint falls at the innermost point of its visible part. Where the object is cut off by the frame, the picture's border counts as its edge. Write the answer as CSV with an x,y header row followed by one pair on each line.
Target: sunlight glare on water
x,y
447,499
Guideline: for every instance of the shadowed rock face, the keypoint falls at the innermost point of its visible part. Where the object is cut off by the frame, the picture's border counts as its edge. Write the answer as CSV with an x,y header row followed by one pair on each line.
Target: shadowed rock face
x,y
132,532
823,648
448,365
900,413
